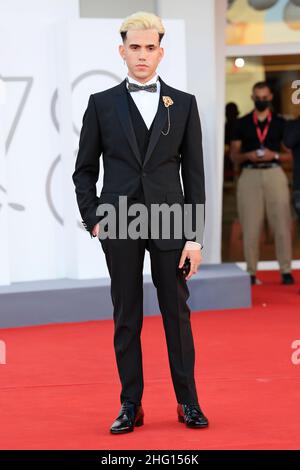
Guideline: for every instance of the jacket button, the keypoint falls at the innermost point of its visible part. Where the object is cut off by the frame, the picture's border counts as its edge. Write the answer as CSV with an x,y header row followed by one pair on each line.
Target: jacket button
x,y
144,174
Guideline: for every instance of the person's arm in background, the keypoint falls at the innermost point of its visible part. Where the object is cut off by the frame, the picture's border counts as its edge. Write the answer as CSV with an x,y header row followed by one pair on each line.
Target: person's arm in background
x,y
235,148
86,172
237,156
291,136
285,154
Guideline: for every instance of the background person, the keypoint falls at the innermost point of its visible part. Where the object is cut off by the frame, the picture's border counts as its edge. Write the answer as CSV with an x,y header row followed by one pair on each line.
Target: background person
x,y
262,187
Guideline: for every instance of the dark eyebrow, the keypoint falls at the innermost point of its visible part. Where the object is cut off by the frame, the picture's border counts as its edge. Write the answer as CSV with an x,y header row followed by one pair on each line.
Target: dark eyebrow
x,y
138,45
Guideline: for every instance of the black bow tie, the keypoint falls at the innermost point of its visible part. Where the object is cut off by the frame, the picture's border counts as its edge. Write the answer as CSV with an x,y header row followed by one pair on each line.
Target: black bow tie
x,y
134,87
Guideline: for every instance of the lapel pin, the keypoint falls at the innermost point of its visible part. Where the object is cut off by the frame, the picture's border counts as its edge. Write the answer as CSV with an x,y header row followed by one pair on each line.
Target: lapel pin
x,y
167,102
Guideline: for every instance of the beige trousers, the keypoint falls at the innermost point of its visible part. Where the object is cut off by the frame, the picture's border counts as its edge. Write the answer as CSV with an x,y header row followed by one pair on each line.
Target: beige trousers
x,y
260,192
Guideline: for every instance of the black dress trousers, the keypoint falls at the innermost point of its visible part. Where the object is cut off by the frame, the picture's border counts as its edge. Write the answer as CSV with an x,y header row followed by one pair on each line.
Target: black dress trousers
x,y
125,259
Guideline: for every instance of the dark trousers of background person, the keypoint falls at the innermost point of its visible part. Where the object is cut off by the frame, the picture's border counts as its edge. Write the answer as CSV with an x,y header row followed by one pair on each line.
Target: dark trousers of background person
x,y
296,203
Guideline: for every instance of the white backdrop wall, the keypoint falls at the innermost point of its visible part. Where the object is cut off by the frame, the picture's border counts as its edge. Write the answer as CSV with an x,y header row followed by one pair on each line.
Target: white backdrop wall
x,y
50,68
30,243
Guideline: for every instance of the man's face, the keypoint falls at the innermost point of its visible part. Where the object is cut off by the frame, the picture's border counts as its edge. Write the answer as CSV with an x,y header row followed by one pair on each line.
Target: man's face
x,y
262,94
142,53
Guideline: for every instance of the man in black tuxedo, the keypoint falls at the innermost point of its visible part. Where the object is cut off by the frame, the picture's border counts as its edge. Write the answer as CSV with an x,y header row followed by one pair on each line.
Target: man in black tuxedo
x,y
145,130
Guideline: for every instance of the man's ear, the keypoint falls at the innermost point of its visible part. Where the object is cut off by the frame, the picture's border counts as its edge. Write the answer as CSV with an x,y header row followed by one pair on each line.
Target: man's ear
x,y
121,51
162,53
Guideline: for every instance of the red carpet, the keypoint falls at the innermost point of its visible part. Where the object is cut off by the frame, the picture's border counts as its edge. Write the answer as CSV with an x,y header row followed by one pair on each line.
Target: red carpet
x,y
60,389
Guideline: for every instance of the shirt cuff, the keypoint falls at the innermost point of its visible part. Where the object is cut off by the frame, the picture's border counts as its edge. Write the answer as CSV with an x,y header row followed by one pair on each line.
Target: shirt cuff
x,y
192,245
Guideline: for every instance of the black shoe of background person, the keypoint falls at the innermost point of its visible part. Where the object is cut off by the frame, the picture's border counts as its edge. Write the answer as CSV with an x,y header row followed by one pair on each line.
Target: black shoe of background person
x,y
287,278
130,415
254,280
192,416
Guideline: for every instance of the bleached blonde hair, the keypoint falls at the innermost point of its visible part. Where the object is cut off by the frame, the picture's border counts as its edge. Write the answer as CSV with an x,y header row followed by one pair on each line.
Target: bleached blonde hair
x,y
142,20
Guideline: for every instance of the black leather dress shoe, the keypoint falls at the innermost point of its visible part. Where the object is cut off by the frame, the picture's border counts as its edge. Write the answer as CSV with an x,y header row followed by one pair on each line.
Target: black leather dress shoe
x,y
287,279
130,415
192,416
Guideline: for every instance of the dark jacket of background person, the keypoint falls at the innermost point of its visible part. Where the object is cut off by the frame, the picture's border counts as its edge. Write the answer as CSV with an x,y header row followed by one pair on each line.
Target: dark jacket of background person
x,y
292,141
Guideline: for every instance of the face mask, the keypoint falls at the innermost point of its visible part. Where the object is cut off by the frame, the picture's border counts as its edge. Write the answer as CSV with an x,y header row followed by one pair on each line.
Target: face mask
x,y
262,105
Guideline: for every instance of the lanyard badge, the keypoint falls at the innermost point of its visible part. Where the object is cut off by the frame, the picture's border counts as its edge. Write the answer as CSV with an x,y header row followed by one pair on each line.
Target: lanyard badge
x,y
262,134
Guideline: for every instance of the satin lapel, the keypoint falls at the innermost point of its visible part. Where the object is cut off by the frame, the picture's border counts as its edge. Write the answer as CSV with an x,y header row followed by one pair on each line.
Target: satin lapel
x,y
160,121
121,102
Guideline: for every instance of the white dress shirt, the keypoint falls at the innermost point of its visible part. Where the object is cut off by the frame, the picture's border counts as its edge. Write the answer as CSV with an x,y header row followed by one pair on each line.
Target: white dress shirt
x,y
147,104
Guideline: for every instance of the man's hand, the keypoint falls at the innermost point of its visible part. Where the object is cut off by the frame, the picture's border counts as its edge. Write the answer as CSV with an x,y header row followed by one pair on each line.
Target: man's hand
x,y
193,252
268,156
253,157
95,231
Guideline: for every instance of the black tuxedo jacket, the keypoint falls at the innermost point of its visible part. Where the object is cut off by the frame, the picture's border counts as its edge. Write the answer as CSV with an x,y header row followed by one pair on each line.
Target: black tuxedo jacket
x,y
107,130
